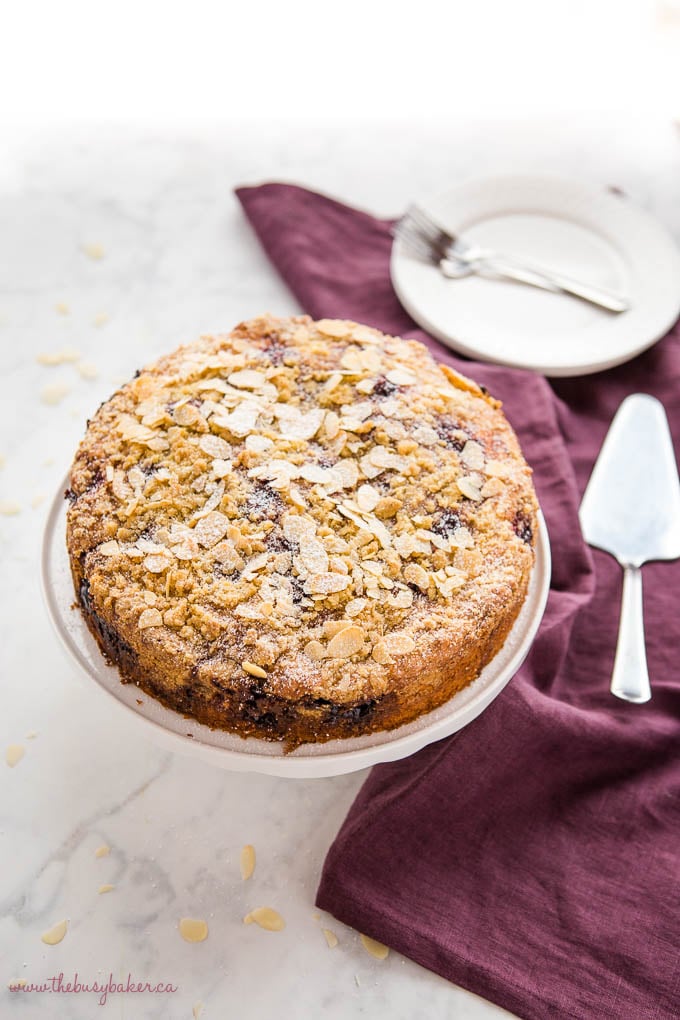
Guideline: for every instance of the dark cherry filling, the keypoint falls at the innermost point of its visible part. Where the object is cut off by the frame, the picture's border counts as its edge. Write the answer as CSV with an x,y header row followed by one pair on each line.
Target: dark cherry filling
x,y
263,503
116,649
383,387
446,522
522,527
446,427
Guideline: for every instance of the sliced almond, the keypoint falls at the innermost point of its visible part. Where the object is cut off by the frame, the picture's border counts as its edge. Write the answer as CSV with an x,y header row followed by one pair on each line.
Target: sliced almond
x,y
399,644
330,937
468,489
247,379
315,651
355,606
247,862
381,654
401,377
348,642
14,754
193,929
214,446
472,455
333,627
333,327
211,529
373,948
102,851
54,935
368,497
149,618
326,583
106,888
266,918
254,670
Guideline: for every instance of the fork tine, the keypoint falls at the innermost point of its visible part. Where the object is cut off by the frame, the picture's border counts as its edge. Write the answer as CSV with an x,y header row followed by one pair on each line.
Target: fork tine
x,y
427,224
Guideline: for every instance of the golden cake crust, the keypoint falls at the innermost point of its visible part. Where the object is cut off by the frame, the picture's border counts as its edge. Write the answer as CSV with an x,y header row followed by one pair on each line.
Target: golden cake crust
x,y
301,530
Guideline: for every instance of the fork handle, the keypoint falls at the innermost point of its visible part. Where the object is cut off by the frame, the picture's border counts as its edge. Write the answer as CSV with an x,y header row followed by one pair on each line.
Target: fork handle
x,y
547,279
630,679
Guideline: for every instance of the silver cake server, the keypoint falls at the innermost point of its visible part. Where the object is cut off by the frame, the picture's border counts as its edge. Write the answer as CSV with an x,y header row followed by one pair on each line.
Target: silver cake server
x,y
631,509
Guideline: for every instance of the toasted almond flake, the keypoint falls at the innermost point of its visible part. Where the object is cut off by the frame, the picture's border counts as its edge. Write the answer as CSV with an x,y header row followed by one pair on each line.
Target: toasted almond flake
x,y
240,422
156,563
462,538
472,455
61,357
196,1010
402,599
100,319
211,529
54,935
9,507
266,918
61,308
54,393
468,489
315,651
333,627
14,754
111,548
401,377
355,606
330,937
492,487
313,555
332,383
247,379
348,642
106,888
221,468
498,468
415,574
294,425
373,948
326,583
102,851
17,983
333,327
254,670
149,618
368,497
247,862
399,644
381,654
94,251
193,929
365,385
87,370
297,526
258,444
214,446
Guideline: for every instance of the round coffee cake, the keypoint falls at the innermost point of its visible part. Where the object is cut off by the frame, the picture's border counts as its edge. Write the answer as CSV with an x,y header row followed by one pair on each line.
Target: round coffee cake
x,y
300,531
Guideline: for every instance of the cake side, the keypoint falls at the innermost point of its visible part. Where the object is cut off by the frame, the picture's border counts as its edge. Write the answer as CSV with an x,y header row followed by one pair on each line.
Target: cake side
x,y
300,531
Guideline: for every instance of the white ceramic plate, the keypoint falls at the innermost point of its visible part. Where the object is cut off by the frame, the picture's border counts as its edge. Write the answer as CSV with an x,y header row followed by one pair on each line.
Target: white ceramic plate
x,y
579,229
336,757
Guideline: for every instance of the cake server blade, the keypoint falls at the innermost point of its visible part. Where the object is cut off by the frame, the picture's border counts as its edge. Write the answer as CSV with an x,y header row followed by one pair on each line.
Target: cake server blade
x,y
631,509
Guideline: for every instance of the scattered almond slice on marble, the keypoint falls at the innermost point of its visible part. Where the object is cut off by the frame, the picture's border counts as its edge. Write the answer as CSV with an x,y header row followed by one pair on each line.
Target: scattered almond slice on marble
x,y
100,319
266,918
330,937
17,983
54,393
37,500
2,460
31,735
61,308
106,888
193,929
247,862
94,252
373,948
62,357
87,370
53,936
14,754
197,1010
102,851
9,507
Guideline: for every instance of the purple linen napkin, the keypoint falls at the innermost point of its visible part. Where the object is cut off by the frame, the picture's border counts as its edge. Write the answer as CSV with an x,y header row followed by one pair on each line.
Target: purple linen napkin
x,y
535,858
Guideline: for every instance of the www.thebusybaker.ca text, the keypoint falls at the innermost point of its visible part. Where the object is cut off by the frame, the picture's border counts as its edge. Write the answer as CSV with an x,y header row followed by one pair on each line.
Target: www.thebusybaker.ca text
x,y
101,988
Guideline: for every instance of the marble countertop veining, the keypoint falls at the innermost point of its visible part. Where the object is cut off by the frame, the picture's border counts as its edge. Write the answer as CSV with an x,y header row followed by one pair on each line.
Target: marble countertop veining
x,y
178,259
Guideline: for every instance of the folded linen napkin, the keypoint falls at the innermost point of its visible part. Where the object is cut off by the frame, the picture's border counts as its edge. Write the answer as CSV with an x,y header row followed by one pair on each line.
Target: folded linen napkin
x,y
534,858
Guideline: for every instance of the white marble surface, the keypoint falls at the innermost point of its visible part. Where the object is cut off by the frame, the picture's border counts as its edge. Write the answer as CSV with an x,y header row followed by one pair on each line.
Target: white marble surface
x,y
179,260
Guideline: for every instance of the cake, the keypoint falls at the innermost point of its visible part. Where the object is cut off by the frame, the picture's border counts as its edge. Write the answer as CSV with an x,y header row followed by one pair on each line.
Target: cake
x,y
301,530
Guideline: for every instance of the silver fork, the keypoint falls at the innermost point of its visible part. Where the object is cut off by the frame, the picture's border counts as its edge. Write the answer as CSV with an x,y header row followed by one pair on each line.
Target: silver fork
x,y
426,240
